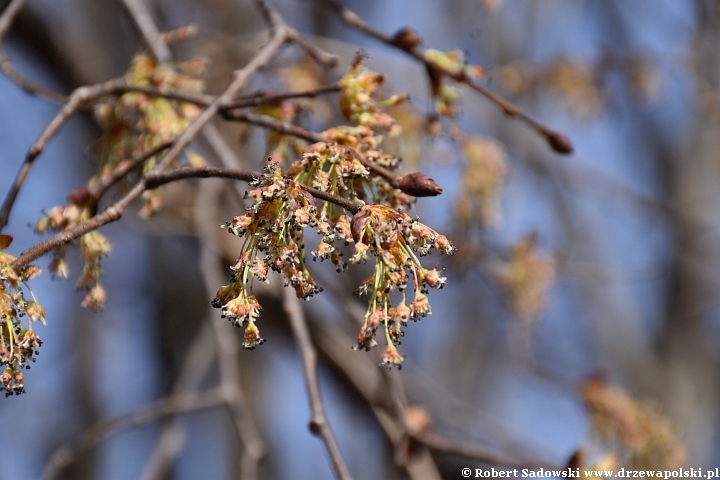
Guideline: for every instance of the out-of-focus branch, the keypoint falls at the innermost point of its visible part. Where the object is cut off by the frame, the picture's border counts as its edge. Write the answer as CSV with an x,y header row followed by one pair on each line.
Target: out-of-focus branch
x,y
557,141
228,344
27,84
125,168
77,99
145,23
115,211
275,20
172,405
318,422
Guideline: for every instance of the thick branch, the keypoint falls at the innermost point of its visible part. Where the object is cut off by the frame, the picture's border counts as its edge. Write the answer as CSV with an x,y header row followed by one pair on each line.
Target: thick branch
x,y
318,422
557,141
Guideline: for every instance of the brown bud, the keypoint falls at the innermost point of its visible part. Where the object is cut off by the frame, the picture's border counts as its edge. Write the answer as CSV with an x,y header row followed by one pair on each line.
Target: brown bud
x,y
419,185
406,38
79,196
5,241
357,224
559,142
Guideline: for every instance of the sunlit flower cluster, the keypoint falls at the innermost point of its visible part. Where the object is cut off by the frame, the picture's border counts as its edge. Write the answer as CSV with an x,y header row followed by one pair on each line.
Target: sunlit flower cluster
x,y
272,229
19,344
396,241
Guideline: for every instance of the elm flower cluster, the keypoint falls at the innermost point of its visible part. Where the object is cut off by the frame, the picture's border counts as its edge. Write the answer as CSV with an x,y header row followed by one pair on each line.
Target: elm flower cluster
x,y
93,245
272,226
396,241
358,88
18,345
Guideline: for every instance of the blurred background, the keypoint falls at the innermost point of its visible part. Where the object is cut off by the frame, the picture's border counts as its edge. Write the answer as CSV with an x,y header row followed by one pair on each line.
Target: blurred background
x,y
617,247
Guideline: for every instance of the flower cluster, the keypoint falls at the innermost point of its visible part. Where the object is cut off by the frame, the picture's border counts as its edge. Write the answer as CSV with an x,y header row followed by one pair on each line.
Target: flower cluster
x,y
485,170
335,167
272,226
350,165
358,88
18,345
93,245
396,241
135,123
527,277
633,434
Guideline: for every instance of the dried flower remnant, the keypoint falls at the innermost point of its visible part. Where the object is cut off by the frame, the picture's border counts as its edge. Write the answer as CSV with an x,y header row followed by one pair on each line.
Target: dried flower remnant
x,y
634,433
482,179
527,277
396,241
19,344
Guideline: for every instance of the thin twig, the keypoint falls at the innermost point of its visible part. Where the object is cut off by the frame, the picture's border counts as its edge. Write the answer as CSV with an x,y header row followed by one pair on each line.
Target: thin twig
x,y
439,443
275,20
318,422
557,141
122,170
156,179
145,23
27,84
172,405
287,128
77,99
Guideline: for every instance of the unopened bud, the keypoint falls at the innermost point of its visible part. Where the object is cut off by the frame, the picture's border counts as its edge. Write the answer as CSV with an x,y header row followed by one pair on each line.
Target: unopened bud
x,y
419,185
559,142
79,196
406,38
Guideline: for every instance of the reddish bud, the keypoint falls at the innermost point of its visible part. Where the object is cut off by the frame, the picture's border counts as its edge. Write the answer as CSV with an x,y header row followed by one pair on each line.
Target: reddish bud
x,y
79,196
406,38
5,241
559,142
419,185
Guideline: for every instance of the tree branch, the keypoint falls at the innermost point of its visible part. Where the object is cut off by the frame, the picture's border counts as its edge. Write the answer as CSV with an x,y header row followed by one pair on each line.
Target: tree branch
x,y
172,405
30,86
557,141
76,100
318,422
115,211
